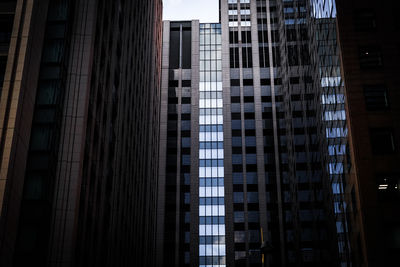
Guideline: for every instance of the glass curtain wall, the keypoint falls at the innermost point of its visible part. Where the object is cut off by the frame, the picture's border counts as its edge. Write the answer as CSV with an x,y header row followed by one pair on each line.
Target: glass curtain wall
x,y
211,150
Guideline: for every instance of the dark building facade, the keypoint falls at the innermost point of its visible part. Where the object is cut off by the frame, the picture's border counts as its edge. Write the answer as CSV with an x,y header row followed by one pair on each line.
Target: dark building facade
x,y
79,132
369,43
253,139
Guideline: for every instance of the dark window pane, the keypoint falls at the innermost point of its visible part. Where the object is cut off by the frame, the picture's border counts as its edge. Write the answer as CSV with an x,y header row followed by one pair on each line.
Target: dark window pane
x,y
234,57
186,48
247,57
246,37
237,197
382,141
237,178
235,82
293,55
174,48
264,57
376,97
252,197
233,37
186,83
364,20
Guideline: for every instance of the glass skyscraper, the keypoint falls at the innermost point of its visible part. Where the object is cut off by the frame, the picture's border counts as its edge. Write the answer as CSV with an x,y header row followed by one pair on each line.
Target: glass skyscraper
x,y
253,139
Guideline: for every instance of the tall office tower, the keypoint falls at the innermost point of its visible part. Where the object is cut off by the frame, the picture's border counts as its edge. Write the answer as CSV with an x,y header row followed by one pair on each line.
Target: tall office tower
x,y
369,40
79,132
329,93
243,140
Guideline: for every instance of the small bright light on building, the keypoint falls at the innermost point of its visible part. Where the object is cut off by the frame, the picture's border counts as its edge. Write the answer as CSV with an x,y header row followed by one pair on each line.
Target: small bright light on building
x,y
383,186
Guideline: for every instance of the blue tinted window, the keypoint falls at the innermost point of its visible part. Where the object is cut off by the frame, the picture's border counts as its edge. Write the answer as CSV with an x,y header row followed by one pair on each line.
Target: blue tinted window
x,y
237,178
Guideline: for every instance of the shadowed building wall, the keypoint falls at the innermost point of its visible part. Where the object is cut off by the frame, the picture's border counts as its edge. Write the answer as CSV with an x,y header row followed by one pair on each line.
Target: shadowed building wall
x,y
79,132
369,40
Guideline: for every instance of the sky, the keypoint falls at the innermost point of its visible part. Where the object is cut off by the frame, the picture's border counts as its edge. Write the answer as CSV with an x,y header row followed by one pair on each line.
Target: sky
x,y
204,10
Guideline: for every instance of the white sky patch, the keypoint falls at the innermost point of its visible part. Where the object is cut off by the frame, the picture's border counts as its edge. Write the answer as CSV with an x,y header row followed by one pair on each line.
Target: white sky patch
x,y
203,10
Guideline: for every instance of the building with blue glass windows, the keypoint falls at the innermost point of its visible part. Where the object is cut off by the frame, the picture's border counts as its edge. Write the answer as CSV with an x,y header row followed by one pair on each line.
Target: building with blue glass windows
x,y
253,154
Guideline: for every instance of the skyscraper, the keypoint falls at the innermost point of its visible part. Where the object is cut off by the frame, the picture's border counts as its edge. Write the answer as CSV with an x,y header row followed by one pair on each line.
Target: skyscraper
x,y
79,132
253,139
369,40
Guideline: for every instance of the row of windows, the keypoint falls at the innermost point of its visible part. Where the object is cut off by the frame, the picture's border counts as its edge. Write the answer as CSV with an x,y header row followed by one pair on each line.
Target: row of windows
x,y
212,261
208,182
203,240
210,86
211,201
212,230
211,153
210,111
210,76
211,191
211,162
247,58
211,210
211,128
210,40
252,197
211,145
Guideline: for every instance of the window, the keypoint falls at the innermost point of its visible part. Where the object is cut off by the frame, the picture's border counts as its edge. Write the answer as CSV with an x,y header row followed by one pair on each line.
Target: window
x,y
382,140
370,57
186,83
233,37
235,82
305,55
186,108
252,178
247,57
252,197
237,178
173,83
253,216
234,57
237,197
364,20
376,97
293,55
276,56
254,236
240,236
250,141
236,124
246,37
264,57
247,82
238,216
236,141
236,158
251,159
